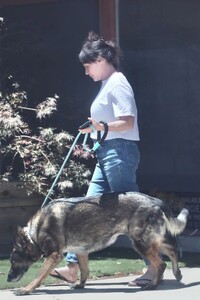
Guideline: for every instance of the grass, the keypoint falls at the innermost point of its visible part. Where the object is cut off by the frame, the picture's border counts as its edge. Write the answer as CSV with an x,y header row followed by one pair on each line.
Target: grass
x,y
109,262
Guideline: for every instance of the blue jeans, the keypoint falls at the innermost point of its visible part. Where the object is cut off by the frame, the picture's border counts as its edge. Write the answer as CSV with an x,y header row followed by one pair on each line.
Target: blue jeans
x,y
115,171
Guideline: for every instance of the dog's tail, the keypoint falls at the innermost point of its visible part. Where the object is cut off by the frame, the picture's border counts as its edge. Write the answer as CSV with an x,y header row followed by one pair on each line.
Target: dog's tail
x,y
176,225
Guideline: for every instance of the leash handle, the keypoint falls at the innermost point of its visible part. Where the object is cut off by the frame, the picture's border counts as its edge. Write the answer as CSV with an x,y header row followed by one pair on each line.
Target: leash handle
x,y
85,125
99,138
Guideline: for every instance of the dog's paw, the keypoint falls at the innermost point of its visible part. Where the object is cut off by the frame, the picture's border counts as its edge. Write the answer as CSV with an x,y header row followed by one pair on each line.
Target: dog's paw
x,y
76,286
21,292
148,286
178,275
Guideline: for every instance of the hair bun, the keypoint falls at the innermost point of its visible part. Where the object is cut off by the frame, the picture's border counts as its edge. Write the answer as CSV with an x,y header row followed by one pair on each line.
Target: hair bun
x,y
92,36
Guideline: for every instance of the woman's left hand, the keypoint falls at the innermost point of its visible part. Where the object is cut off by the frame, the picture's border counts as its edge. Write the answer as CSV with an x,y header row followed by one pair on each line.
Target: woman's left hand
x,y
93,127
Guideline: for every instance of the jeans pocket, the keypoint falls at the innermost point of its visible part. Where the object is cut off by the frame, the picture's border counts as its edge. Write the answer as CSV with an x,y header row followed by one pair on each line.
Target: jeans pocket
x,y
128,152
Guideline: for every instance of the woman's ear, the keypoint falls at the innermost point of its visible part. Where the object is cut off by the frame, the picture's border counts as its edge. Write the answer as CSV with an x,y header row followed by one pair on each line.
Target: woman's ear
x,y
99,59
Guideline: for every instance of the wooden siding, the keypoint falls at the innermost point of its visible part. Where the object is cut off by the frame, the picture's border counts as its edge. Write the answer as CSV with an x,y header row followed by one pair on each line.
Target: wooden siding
x,y
107,11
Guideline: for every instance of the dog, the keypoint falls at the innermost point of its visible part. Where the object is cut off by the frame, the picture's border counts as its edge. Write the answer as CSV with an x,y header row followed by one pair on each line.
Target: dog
x,y
86,224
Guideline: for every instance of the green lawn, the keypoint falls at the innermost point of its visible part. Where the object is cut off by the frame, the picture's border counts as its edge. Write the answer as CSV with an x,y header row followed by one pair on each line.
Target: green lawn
x,y
110,262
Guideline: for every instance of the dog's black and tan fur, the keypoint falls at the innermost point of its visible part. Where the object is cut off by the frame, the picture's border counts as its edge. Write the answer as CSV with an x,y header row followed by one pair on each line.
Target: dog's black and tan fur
x,y
87,224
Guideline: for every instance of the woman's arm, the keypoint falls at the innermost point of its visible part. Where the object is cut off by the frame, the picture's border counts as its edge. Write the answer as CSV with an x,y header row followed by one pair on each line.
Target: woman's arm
x,y
122,124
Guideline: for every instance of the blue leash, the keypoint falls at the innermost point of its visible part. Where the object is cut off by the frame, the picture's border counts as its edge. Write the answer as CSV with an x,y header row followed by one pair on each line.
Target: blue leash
x,y
95,147
62,167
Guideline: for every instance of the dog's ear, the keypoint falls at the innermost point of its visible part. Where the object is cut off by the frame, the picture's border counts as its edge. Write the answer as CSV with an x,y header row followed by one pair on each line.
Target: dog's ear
x,y
19,238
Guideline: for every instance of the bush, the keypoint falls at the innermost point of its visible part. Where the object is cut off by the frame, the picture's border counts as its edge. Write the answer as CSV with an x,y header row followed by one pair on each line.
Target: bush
x,y
32,152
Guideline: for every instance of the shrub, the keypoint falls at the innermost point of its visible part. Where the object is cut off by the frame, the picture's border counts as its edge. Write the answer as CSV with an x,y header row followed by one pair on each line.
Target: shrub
x,y
32,152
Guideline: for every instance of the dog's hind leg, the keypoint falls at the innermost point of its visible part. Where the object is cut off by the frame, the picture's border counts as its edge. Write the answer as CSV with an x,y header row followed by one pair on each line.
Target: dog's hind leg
x,y
84,271
169,248
49,264
158,266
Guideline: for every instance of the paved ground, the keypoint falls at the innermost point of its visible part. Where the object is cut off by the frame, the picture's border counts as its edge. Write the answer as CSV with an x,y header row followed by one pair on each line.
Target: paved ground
x,y
116,288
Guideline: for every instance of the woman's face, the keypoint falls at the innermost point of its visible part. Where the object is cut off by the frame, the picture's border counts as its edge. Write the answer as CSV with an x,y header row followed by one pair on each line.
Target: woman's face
x,y
96,70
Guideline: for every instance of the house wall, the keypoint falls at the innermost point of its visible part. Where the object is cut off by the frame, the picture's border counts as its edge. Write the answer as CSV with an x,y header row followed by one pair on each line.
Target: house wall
x,y
41,52
161,44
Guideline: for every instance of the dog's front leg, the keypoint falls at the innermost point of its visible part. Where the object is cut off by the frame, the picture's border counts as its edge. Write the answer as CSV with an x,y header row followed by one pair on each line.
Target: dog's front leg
x,y
49,264
84,270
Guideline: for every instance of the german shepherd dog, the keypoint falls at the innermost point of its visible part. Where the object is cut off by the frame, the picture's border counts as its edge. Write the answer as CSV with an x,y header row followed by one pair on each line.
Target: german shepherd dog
x,y
87,224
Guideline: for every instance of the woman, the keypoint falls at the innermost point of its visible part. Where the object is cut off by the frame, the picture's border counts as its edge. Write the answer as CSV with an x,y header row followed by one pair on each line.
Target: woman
x,y
118,156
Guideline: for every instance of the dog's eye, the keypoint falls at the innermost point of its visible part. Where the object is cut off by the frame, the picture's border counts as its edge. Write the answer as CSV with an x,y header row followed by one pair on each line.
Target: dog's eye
x,y
14,257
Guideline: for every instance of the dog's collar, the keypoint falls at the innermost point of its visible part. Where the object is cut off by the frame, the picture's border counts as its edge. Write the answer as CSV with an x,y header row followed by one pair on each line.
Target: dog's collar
x,y
28,235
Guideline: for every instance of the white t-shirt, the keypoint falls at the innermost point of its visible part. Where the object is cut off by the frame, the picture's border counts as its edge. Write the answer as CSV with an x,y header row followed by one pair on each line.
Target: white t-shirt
x,y
115,99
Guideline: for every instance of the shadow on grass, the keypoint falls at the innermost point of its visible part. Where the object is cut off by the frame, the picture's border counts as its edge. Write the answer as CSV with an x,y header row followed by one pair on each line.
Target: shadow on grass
x,y
188,259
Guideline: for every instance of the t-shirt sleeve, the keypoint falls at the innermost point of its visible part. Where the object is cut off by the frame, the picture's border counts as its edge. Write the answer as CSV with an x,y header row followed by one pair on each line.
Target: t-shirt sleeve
x,y
123,101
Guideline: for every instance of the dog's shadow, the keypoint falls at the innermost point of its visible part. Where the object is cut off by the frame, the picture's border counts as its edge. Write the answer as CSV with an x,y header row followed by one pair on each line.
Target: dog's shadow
x,y
109,288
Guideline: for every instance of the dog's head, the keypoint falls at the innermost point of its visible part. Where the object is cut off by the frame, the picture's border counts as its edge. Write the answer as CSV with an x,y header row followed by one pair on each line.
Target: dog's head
x,y
24,254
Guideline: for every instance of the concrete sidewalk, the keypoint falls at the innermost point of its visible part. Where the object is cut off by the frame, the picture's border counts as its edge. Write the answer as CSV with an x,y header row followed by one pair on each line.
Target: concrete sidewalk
x,y
116,288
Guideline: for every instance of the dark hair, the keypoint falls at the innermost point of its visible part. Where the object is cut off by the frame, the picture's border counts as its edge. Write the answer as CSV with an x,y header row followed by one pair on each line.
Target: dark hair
x,y
95,47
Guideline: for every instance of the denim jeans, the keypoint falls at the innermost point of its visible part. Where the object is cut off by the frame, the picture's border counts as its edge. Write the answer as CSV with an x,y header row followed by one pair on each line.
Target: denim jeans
x,y
115,171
